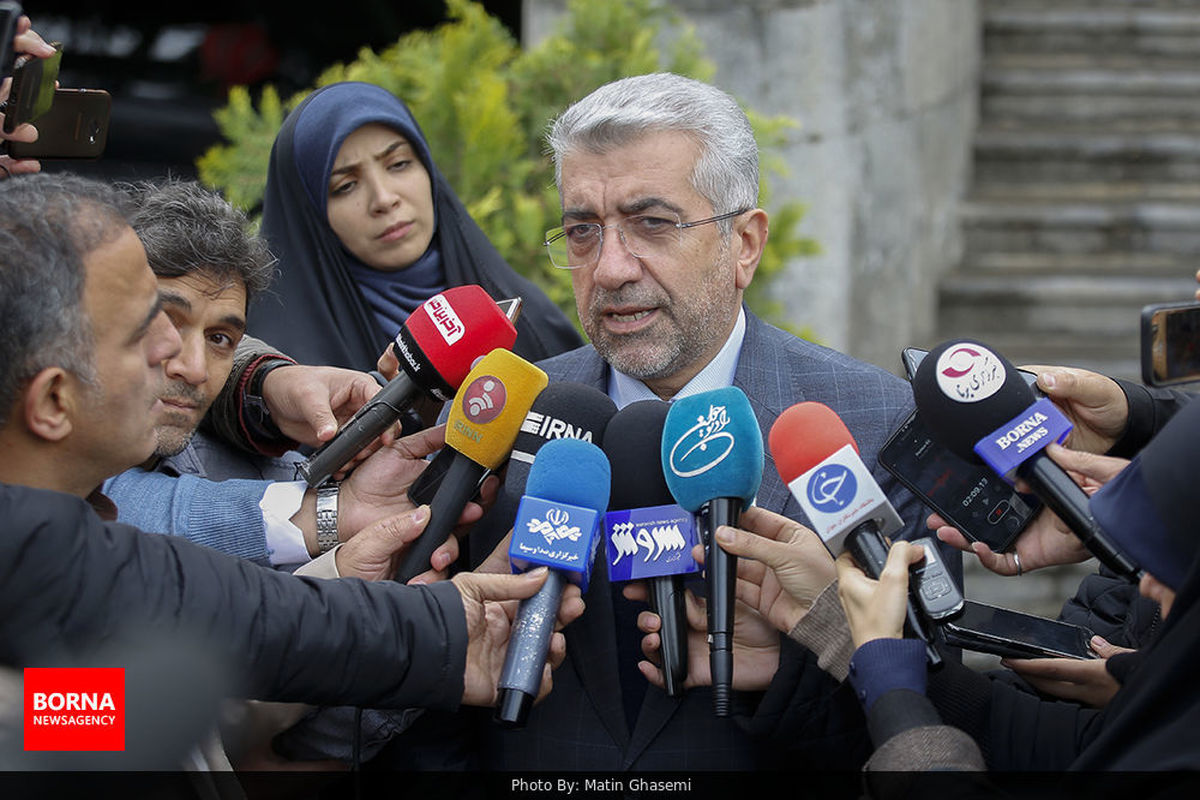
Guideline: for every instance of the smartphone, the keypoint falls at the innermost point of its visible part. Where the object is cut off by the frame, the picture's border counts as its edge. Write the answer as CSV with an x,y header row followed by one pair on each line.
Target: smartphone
x,y
1170,343
423,489
32,91
931,584
1004,632
75,127
968,496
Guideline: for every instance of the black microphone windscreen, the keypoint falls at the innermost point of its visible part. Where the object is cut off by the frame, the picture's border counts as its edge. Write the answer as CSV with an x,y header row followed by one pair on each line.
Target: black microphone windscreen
x,y
633,444
563,410
964,390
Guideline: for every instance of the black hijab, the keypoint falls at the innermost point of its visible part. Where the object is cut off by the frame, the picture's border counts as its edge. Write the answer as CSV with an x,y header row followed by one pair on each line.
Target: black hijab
x,y
1152,723
318,312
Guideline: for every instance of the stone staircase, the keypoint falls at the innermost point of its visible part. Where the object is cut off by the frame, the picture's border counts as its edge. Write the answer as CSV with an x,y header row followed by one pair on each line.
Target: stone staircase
x,y
1085,202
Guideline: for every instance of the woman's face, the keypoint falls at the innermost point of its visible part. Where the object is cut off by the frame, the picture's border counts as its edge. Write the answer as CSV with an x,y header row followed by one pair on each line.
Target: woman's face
x,y
380,199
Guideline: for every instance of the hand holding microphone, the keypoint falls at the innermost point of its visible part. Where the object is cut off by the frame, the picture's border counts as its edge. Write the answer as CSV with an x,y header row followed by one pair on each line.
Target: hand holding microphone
x,y
977,405
556,526
818,459
436,348
484,420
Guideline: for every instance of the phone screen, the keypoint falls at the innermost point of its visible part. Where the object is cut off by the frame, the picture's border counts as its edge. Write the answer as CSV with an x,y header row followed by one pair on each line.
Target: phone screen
x,y
1038,634
1171,344
969,496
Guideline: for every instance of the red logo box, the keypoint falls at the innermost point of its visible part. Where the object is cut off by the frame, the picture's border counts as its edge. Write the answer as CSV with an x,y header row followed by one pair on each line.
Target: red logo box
x,y
75,709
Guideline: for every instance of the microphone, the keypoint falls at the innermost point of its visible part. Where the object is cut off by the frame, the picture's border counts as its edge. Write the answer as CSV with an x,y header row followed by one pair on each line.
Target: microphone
x,y
978,406
712,460
648,535
564,410
556,525
481,428
818,459
436,347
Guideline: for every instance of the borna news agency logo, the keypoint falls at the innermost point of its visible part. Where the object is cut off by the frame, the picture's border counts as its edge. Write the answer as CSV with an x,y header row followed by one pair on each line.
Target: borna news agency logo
x,y
484,399
74,709
707,443
832,488
969,372
556,526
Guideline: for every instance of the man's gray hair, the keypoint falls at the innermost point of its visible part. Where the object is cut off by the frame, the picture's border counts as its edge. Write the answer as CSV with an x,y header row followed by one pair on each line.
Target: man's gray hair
x,y
49,223
726,173
187,229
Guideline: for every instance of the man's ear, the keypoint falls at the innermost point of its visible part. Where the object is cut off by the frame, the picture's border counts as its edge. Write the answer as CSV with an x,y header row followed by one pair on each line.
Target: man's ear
x,y
749,239
49,403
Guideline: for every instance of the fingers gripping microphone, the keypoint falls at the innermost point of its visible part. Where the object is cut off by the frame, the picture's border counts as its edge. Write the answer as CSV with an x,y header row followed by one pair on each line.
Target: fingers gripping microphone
x,y
712,459
556,526
818,459
436,347
648,535
484,420
977,405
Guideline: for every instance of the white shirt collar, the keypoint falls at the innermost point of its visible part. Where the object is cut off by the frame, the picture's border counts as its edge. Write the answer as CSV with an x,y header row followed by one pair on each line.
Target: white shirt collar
x,y
718,373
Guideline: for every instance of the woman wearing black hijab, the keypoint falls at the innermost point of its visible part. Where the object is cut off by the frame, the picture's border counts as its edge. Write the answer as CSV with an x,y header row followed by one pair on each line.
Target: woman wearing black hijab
x,y
366,229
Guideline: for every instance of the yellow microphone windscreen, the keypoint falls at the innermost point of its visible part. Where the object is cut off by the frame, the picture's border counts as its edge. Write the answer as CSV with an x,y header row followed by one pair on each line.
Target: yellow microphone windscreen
x,y
486,414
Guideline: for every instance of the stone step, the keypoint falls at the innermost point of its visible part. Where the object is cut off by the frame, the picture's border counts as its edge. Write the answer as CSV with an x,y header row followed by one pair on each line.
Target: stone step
x,y
1081,228
1083,153
1020,265
1142,29
1086,191
1048,95
1117,355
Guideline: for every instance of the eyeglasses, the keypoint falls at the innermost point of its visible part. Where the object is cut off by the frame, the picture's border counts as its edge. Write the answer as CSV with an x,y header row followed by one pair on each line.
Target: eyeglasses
x,y
644,236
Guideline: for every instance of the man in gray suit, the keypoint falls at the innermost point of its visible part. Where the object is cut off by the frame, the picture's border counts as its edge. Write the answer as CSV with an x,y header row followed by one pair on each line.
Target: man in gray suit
x,y
658,177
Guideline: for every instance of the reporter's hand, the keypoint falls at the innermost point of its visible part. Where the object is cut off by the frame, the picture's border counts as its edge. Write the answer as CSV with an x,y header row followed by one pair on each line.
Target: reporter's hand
x,y
487,602
876,609
1047,541
1088,682
1093,402
374,554
309,403
498,563
782,565
755,644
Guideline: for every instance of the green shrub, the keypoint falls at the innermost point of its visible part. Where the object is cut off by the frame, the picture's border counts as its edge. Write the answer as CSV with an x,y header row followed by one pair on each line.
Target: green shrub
x,y
484,103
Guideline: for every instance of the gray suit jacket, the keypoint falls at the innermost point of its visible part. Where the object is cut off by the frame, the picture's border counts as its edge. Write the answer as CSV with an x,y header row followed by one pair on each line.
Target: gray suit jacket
x,y
805,718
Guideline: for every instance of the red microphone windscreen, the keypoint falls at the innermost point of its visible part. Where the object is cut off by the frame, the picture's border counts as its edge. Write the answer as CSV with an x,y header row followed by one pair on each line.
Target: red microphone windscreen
x,y
805,435
453,329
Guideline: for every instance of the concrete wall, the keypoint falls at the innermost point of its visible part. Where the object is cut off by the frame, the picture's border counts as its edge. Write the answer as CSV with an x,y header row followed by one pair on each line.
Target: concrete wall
x,y
886,94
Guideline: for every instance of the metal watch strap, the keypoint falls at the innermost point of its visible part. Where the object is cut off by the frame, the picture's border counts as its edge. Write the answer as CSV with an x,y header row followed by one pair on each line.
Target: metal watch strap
x,y
327,516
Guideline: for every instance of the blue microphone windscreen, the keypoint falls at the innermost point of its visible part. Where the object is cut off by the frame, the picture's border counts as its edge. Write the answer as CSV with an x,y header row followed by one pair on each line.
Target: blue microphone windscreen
x,y
570,471
712,447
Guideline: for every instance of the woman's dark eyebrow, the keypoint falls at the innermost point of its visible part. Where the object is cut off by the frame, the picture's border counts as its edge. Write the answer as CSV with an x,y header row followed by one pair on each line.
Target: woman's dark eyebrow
x,y
382,154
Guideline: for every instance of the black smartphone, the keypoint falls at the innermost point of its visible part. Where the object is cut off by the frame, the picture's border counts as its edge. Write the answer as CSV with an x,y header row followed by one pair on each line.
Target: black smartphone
x,y
75,127
1004,632
32,90
1170,343
423,489
930,583
968,496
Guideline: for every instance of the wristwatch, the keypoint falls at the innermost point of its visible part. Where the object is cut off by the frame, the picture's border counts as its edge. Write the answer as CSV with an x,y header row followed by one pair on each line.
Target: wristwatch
x,y
327,516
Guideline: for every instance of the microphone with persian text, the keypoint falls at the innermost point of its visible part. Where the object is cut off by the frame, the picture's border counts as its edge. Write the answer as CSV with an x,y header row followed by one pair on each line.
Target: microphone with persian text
x,y
712,460
650,537
978,406
556,526
436,348
484,419
818,459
